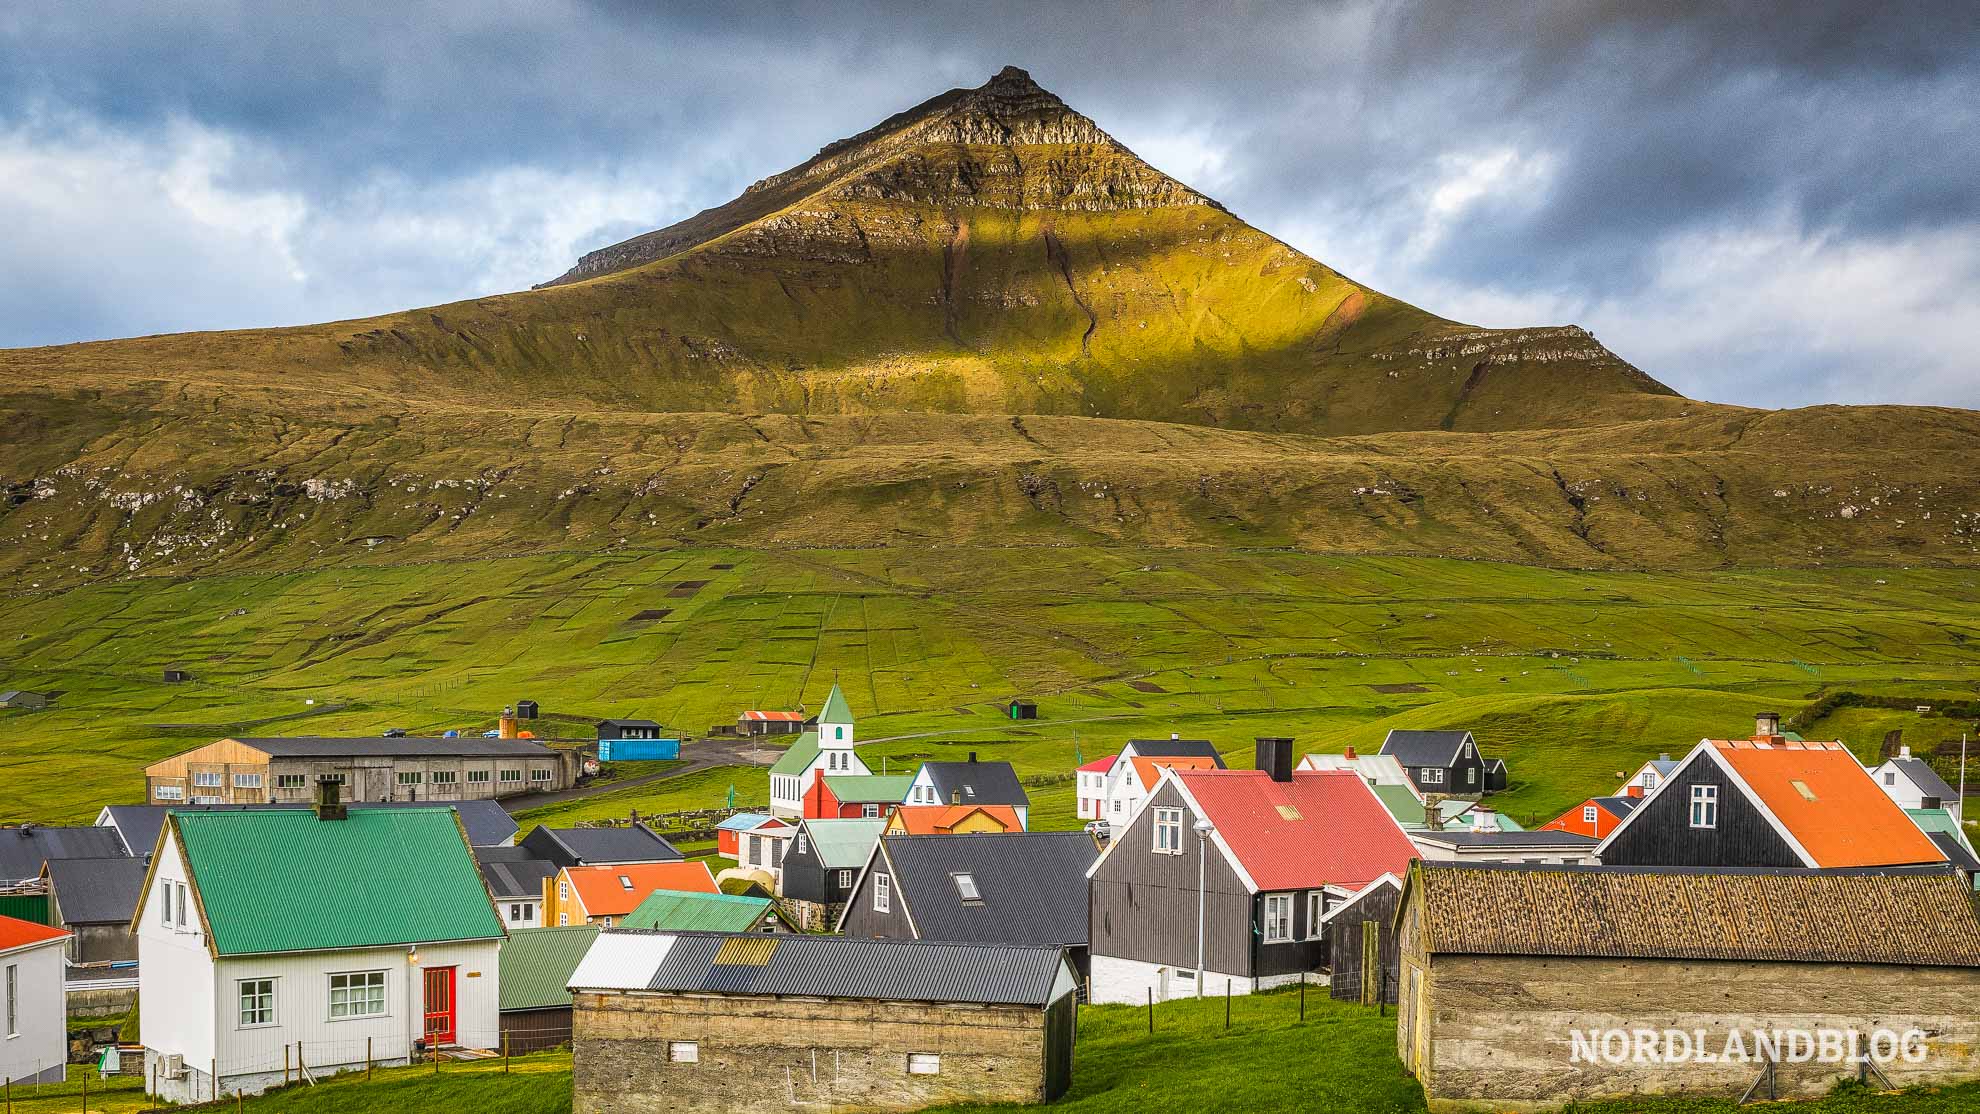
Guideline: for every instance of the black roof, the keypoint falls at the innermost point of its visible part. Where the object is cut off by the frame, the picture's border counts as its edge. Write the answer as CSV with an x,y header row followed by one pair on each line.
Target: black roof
x,y
1956,851
1617,806
487,823
627,723
594,846
976,783
509,878
1927,780
1031,886
24,850
1424,748
1177,748
1465,837
841,967
97,891
466,746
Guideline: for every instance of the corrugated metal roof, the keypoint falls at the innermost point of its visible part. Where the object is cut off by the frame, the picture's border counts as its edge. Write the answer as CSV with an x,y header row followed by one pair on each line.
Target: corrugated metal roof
x,y
16,933
517,878
24,850
97,891
861,789
488,824
280,880
589,846
744,821
975,783
466,746
537,964
1924,916
844,844
1031,886
824,967
797,758
674,911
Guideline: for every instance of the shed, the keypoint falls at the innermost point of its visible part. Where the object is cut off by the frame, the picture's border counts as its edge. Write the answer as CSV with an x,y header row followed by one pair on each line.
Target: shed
x,y
175,675
722,1022
527,709
94,900
1720,958
21,698
1023,709
628,729
536,965
1358,929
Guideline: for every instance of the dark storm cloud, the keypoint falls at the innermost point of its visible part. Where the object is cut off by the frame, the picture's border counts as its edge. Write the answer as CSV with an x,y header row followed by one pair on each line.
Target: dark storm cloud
x,y
1608,161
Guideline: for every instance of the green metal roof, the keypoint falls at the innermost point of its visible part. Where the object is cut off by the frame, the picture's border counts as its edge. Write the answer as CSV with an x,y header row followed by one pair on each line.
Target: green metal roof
x,y
280,880
844,844
835,710
537,963
676,911
1401,803
798,758
1931,820
859,789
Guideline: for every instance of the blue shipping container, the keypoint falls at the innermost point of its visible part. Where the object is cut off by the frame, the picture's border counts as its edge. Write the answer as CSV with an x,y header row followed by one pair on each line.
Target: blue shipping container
x,y
638,750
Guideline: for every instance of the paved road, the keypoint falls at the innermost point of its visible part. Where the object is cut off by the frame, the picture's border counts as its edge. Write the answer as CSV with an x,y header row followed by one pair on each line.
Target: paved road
x,y
703,755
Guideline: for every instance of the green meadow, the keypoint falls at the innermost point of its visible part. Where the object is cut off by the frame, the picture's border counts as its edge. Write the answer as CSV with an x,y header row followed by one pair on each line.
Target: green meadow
x,y
1572,676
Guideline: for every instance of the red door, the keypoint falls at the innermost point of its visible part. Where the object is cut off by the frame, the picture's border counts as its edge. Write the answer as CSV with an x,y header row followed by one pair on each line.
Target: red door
x,y
439,1006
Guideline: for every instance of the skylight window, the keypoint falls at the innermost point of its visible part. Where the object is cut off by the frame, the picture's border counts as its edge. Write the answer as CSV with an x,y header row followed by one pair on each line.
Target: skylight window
x,y
1288,812
1801,787
966,886
625,881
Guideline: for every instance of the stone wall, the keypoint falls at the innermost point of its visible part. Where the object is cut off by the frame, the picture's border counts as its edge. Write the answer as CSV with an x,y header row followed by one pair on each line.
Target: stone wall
x,y
1500,1028
769,1054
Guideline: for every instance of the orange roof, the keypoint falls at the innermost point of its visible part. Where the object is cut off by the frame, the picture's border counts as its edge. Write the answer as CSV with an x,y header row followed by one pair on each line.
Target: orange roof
x,y
1828,802
942,819
1149,769
20,934
614,891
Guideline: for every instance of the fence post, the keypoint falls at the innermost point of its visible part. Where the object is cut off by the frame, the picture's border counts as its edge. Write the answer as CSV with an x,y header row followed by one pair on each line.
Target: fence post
x,y
213,1079
1151,1009
85,1077
367,1059
1302,996
1227,1003
10,1095
505,1053
301,1073
285,1065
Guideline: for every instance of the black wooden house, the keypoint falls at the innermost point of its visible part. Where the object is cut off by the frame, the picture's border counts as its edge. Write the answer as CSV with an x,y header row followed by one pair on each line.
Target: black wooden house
x,y
1442,761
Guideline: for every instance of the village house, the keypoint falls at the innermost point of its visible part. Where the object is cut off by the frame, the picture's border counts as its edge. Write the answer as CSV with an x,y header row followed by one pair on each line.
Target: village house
x,y
826,749
676,911
1113,789
1014,888
516,879
729,833
634,843
1599,954
1234,871
486,822
93,899
602,895
953,820
849,796
614,730
760,853
751,1024
1361,943
770,723
970,783
333,935
1913,783
825,859
34,1046
1445,762
1595,817
1378,770
1768,801
25,850
1647,776
260,771
535,1003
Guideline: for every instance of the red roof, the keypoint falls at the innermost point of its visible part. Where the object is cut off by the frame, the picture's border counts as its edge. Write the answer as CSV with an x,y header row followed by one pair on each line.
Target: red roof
x,y
1097,766
1821,794
605,892
1322,828
779,717
20,934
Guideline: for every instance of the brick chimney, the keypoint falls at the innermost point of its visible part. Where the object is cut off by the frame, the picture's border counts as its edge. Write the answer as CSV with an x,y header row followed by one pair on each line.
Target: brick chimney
x,y
1348,754
329,805
1766,725
1275,757
507,724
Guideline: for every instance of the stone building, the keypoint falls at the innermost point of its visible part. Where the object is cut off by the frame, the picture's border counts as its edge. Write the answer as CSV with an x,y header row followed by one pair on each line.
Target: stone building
x,y
442,771
723,1022
1529,986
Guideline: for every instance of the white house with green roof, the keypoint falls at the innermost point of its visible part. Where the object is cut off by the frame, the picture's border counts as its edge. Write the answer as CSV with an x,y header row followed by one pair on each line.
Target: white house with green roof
x,y
825,748
325,936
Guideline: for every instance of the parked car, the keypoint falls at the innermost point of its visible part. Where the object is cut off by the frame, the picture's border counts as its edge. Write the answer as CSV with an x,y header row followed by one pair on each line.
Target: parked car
x,y
1100,829
395,732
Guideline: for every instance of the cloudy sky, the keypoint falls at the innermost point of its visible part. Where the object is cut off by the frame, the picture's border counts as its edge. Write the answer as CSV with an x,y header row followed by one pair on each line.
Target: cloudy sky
x,y
1767,204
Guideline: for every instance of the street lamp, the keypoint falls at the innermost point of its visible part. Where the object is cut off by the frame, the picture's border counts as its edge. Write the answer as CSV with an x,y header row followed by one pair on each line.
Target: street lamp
x,y
1203,830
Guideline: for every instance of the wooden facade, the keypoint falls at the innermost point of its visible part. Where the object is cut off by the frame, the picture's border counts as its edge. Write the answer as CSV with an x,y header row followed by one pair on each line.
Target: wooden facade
x,y
1348,928
1659,833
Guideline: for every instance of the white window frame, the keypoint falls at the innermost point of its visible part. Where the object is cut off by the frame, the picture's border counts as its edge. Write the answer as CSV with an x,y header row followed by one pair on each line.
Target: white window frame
x,y
1316,912
169,792
1168,831
165,902
966,887
208,779
924,1063
507,777
247,781
1589,814
372,980
291,781
1649,780
411,777
683,1052
334,779
241,996
446,777
1278,927
883,894
540,774
869,811
845,879
1704,807
1433,775
477,777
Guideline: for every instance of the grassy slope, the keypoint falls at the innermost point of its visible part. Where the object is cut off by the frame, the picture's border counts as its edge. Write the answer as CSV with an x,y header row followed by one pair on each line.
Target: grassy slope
x,y
1572,676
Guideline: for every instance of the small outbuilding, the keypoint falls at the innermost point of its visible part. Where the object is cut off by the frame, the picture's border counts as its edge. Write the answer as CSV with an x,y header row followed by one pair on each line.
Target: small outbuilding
x,y
536,1005
1630,981
1361,944
176,675
527,709
721,1022
94,900
1022,709
21,698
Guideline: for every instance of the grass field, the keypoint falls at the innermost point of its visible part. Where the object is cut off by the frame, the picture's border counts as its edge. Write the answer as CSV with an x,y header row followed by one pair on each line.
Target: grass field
x,y
1573,676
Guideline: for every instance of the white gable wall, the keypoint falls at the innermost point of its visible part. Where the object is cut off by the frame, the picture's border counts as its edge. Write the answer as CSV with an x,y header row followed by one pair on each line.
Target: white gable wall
x,y
175,971
37,1051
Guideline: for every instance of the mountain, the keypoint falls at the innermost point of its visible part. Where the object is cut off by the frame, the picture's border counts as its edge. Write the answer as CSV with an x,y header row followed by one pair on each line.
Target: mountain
x,y
983,321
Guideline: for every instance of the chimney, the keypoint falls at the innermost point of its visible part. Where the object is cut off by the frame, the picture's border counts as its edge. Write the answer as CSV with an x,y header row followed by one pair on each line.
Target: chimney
x,y
1904,752
1664,756
1275,757
1766,725
955,796
329,806
1348,754
1175,736
972,756
1481,820
508,723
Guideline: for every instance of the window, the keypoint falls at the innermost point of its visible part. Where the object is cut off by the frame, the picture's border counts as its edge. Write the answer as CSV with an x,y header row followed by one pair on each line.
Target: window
x,y
1168,831
776,854
247,781
410,777
883,894
1117,804
357,994
1471,775
13,1000
683,1052
871,812
605,922
521,912
838,733
477,777
445,777
966,886
1704,806
1588,814
563,889
334,779
1801,787
755,851
1278,918
539,775
288,781
207,779
1890,777
625,883
845,879
1316,911
1433,775
1649,780
170,792
563,919
511,775
800,843
257,1003
924,1063
165,903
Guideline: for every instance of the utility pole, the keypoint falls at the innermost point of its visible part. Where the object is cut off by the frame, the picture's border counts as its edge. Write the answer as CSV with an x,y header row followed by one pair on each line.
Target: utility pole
x,y
1203,829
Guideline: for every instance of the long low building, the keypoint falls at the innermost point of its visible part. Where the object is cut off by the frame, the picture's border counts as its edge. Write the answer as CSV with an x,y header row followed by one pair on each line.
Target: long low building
x,y
722,1022
1529,986
441,771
